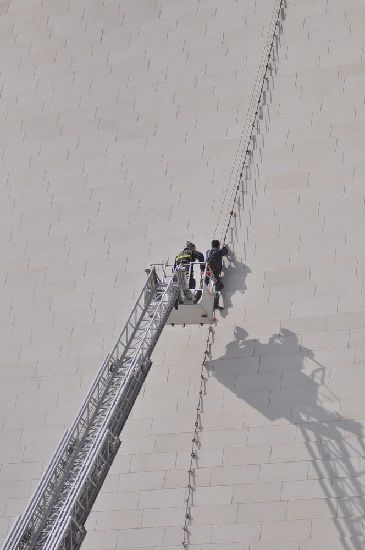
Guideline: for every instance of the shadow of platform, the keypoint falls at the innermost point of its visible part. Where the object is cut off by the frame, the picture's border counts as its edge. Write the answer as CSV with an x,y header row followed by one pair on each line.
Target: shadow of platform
x,y
282,381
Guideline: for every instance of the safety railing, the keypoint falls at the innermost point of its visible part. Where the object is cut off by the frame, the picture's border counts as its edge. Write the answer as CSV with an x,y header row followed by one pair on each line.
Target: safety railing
x,y
197,275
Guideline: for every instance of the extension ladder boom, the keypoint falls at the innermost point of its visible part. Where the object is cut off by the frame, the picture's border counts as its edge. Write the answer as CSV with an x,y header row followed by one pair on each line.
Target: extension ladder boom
x,y
56,515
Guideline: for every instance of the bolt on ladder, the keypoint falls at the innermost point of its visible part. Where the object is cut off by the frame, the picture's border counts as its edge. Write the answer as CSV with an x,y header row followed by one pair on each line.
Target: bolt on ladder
x,y
55,516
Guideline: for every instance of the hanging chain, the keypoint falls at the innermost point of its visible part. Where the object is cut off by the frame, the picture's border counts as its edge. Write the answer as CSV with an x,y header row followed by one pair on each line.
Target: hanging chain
x,y
266,65
195,442
253,114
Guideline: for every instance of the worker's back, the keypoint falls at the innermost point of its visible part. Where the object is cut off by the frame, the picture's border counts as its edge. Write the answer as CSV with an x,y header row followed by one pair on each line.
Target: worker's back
x,y
215,258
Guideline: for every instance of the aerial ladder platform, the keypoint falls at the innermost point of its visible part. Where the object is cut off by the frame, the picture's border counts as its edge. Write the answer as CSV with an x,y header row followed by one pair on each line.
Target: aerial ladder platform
x,y
56,514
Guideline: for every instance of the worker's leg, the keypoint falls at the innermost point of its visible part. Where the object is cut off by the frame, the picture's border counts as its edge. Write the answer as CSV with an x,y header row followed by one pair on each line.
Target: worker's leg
x,y
198,295
192,281
218,285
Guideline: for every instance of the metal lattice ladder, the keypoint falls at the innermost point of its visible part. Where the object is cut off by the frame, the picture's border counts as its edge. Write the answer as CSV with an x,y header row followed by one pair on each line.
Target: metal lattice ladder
x,y
55,517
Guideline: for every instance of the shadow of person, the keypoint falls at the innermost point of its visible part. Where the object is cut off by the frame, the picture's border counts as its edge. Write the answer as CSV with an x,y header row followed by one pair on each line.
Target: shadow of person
x,y
281,383
234,280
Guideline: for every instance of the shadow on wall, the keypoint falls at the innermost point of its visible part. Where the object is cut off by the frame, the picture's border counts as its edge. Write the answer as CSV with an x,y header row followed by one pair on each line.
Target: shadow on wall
x,y
234,279
287,383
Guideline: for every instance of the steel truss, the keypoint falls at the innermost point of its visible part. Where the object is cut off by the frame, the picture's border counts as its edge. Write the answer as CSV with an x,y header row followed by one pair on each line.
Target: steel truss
x,y
56,515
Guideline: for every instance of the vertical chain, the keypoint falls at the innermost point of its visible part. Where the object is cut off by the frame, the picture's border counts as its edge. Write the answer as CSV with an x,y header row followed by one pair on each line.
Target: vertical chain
x,y
195,442
207,353
266,65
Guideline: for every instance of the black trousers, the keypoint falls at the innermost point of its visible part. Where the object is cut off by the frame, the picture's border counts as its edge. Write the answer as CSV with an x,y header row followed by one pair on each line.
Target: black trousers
x,y
192,281
218,282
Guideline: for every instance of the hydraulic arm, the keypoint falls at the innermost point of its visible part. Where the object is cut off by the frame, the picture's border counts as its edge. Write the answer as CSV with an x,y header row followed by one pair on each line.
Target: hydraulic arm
x,y
55,517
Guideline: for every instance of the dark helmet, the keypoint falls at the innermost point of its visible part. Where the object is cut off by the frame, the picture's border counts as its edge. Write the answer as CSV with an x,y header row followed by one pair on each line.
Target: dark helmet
x,y
189,245
215,243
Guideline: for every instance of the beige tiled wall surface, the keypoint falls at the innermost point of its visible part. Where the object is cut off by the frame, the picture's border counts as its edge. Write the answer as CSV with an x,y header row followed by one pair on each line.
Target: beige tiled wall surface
x,y
119,126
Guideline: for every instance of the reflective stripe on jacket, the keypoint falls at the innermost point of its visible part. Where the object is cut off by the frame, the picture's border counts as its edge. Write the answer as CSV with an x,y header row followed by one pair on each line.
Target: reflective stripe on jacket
x,y
185,257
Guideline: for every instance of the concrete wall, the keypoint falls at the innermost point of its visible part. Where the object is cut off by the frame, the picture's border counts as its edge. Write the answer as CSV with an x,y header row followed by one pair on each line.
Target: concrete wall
x,y
120,122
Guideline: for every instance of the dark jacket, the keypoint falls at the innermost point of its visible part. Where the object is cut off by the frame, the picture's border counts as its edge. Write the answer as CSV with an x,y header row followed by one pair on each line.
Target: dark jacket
x,y
190,256
215,259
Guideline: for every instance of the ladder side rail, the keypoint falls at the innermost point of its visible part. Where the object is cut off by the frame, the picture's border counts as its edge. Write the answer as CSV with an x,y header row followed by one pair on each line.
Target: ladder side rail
x,y
63,528
155,327
115,349
69,543
99,409
41,502
40,496
152,282
134,345
95,388
58,530
122,336
22,520
78,427
85,485
158,309
66,477
132,389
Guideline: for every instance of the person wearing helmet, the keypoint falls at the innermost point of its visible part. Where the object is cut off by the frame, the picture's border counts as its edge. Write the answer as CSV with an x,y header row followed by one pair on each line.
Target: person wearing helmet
x,y
187,256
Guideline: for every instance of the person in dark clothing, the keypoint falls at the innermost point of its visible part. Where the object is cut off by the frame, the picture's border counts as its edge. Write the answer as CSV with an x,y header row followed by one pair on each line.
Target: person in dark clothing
x,y
185,258
214,260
